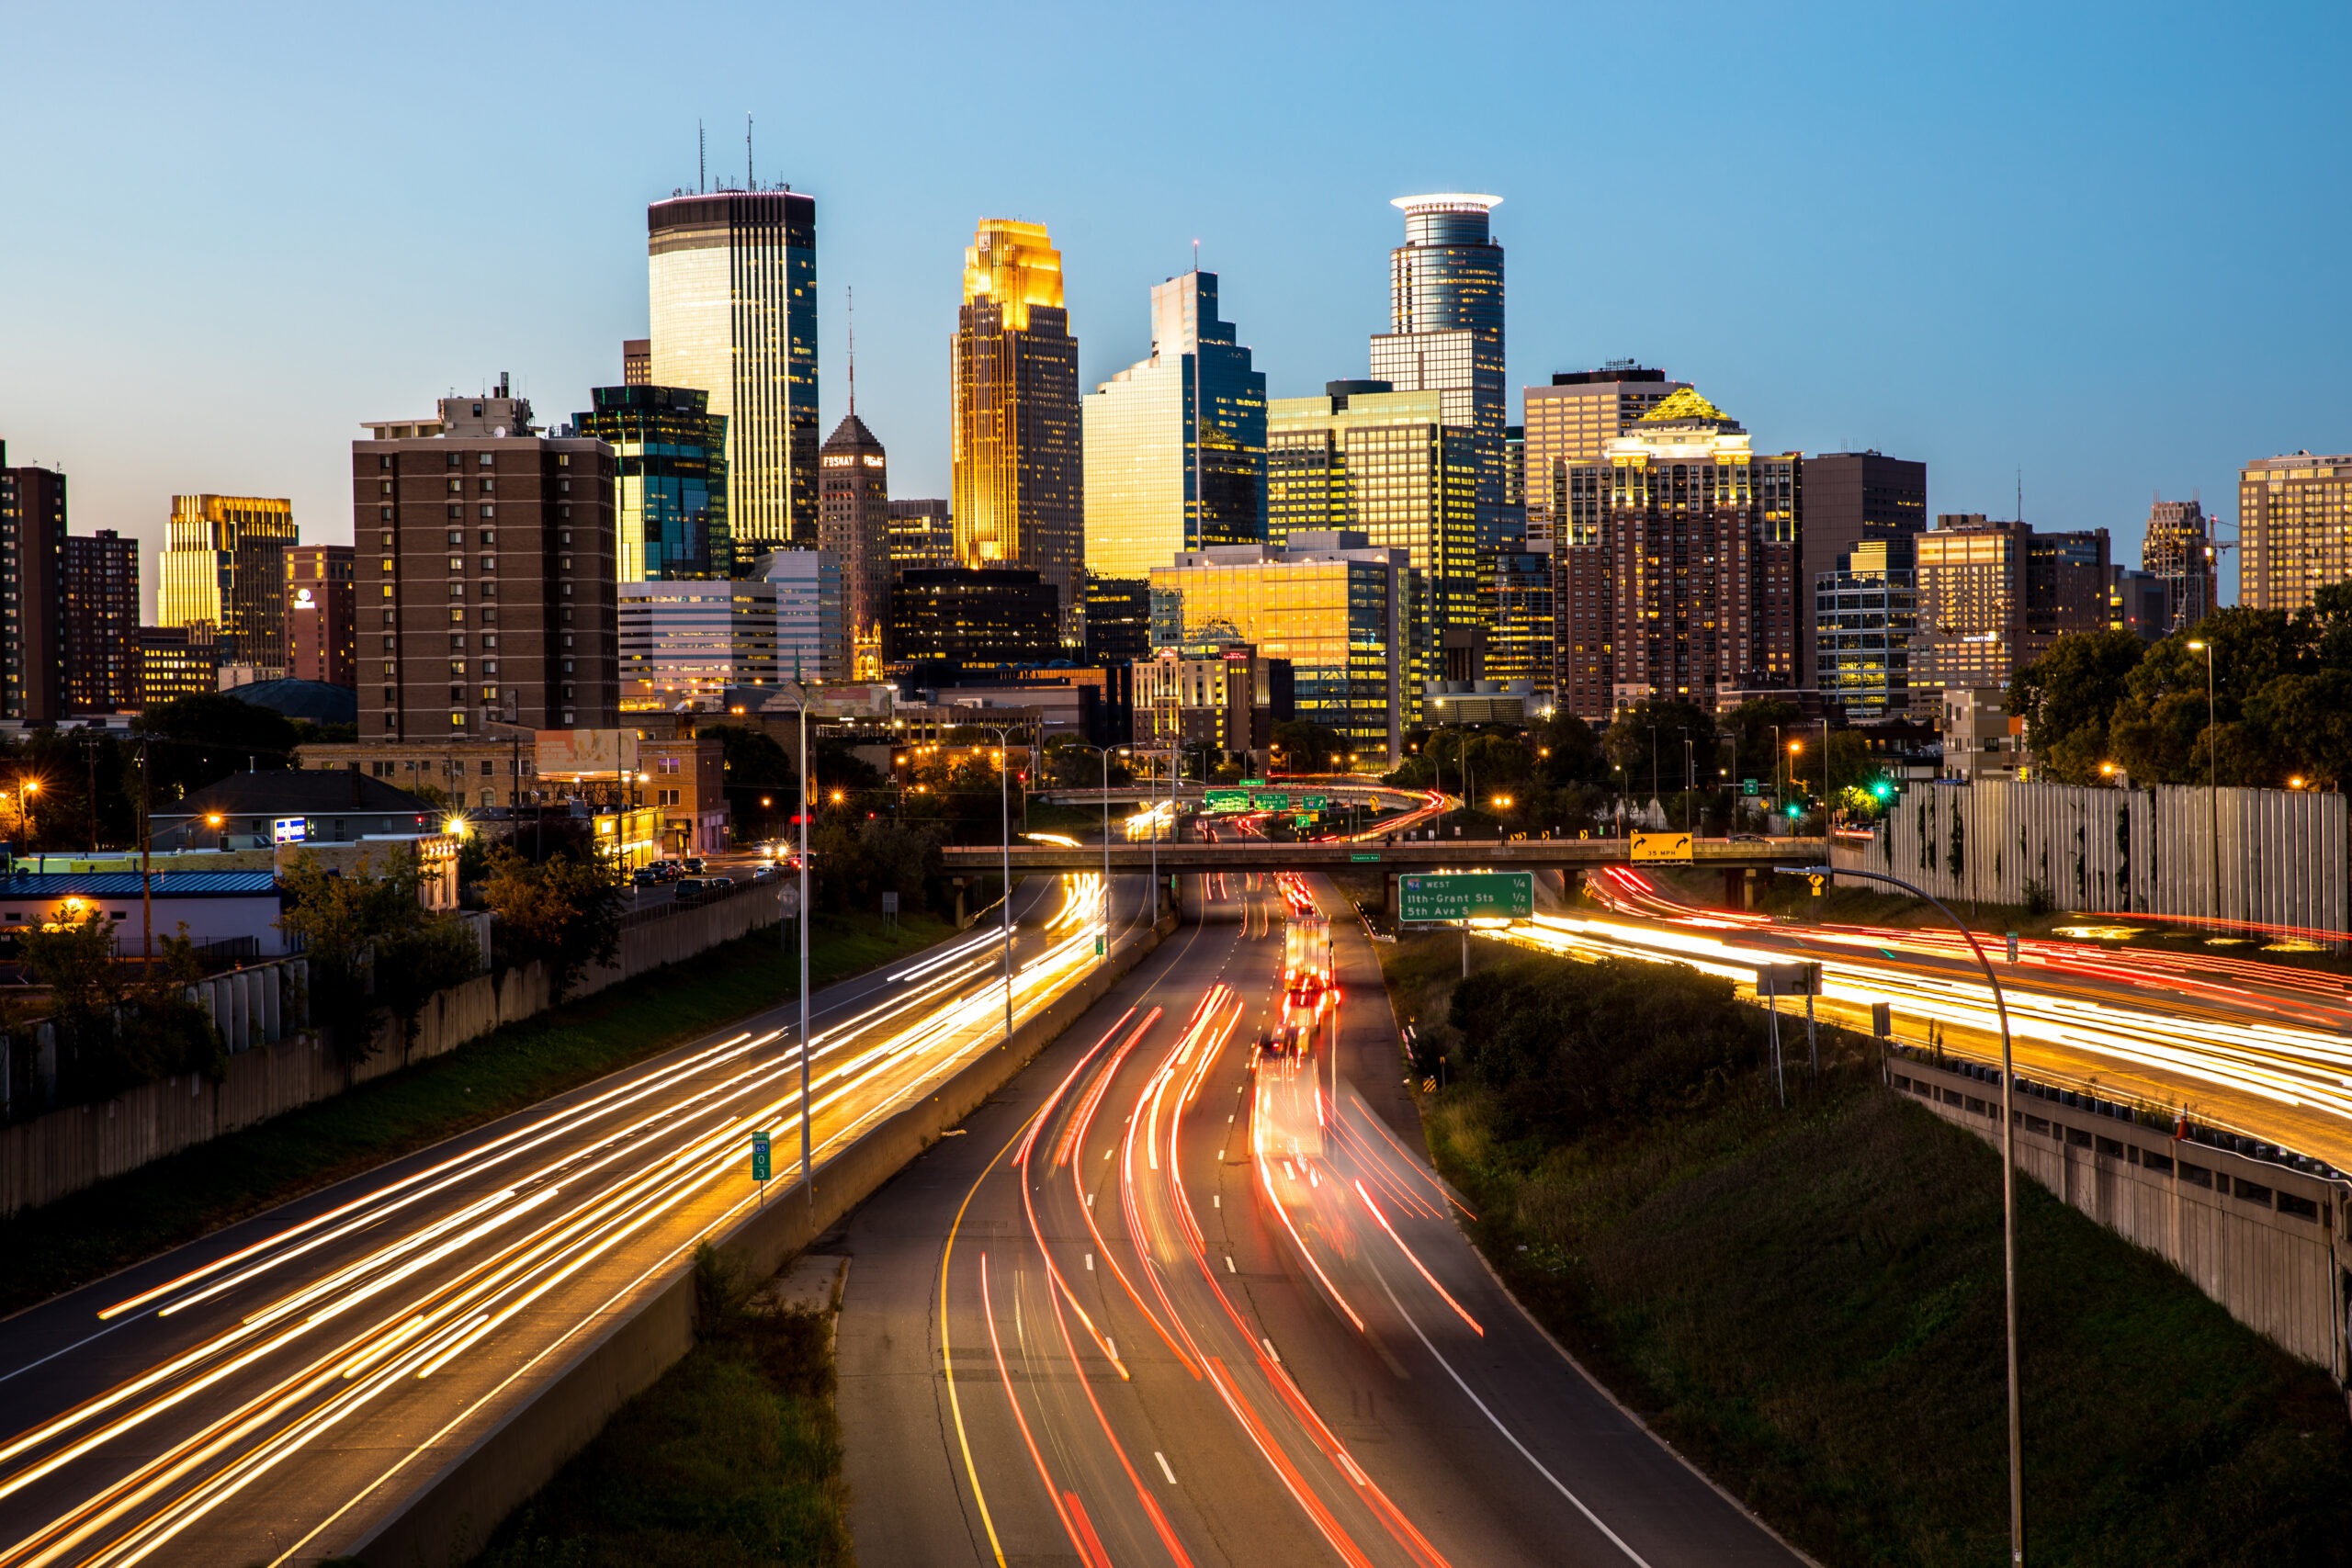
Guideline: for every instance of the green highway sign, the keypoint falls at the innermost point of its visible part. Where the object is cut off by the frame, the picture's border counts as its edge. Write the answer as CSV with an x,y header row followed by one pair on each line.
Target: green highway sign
x,y
1229,800
1315,802
1747,786
759,1157
1252,783
1280,802
1467,895
1359,857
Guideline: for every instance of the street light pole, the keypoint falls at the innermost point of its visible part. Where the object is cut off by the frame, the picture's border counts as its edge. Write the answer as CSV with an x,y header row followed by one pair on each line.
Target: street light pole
x,y
2213,775
1004,804
2008,1190
808,799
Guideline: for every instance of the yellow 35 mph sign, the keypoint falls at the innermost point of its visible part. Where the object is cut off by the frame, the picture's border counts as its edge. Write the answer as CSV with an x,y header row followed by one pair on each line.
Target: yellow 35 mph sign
x,y
1662,846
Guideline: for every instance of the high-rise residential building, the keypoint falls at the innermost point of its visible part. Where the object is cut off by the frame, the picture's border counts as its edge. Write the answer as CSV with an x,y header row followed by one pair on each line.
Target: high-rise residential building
x,y
1390,466
1865,615
2178,550
811,628
684,645
224,566
1675,568
2066,579
1019,463
1851,498
1118,620
322,613
669,489
487,599
1971,583
733,280
2294,529
854,522
636,361
1514,488
1445,330
100,623
1519,623
176,661
959,621
1573,420
1338,608
32,561
921,535
1176,442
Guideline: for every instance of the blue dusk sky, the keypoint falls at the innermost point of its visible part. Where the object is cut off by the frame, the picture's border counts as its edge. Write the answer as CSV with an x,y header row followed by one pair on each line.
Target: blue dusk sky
x,y
2102,247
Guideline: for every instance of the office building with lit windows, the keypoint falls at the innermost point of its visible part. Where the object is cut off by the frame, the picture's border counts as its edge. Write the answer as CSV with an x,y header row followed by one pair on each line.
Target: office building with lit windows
x,y
1176,442
2294,529
1519,625
1865,614
224,566
684,645
921,535
948,623
1573,420
100,623
322,611
1675,569
1851,498
854,526
487,585
1445,331
1367,459
1118,620
733,279
1970,579
1019,497
32,559
669,493
1337,608
2179,551
811,625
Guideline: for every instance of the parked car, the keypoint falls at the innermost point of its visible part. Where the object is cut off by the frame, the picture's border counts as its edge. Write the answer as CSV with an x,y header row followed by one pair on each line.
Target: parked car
x,y
694,865
687,885
715,882
645,876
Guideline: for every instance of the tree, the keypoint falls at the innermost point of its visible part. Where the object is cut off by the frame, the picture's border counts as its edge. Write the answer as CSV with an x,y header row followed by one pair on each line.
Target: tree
x,y
1071,765
1760,728
2158,729
565,913
1644,744
1567,750
373,949
853,863
1305,747
121,1026
2068,698
756,773
202,740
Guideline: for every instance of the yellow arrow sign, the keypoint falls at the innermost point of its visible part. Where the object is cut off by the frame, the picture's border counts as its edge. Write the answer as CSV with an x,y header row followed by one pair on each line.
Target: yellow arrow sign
x,y
1662,846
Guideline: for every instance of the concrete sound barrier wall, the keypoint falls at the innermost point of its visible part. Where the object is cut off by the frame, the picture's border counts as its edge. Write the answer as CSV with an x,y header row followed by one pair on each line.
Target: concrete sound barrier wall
x,y
450,1515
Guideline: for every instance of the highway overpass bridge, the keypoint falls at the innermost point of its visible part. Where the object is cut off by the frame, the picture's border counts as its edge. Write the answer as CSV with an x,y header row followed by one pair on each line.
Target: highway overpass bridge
x,y
1404,855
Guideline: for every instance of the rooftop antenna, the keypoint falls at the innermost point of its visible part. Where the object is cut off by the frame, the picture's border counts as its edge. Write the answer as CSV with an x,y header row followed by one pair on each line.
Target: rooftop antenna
x,y
702,162
852,353
751,180
2020,495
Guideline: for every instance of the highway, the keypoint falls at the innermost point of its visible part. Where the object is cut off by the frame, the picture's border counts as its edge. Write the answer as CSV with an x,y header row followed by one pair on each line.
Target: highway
x,y
265,1394
2258,1048
1172,1301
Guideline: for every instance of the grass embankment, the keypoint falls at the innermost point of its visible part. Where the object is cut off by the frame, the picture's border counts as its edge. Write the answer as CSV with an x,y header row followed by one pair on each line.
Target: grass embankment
x,y
135,1215
733,1456
1809,1303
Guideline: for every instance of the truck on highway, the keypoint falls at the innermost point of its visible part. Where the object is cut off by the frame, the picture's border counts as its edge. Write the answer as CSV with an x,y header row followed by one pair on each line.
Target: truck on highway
x,y
1307,979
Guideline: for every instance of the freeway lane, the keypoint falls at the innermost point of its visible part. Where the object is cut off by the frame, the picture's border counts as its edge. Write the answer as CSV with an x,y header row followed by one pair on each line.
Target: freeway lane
x,y
267,1394
2260,1048
1195,1307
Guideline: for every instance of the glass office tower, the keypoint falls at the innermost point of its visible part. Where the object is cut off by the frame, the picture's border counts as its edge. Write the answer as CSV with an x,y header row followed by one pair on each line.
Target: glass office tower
x,y
1019,497
670,501
224,566
1176,444
1445,329
733,281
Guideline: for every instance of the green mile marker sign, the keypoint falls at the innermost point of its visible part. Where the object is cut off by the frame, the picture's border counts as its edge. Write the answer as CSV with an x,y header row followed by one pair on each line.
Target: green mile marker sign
x,y
759,1157
1467,895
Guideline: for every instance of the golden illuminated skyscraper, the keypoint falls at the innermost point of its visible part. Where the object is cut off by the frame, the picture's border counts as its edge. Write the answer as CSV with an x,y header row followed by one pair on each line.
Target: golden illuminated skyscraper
x,y
733,281
224,566
1019,497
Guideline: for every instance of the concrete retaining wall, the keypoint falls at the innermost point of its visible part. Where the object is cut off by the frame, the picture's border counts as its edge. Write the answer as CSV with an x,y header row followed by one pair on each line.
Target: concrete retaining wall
x,y
450,1515
48,1156
2267,1242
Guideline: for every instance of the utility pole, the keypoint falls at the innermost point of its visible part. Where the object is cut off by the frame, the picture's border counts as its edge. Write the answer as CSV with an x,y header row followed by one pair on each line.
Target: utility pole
x,y
146,847
808,796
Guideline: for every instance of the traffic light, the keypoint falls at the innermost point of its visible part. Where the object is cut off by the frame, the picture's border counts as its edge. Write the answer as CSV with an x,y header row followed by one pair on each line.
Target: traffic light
x,y
1883,789
1796,811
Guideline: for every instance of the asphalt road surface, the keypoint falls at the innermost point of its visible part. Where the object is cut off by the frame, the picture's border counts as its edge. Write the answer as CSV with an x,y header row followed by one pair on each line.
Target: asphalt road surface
x,y
269,1391
1172,1302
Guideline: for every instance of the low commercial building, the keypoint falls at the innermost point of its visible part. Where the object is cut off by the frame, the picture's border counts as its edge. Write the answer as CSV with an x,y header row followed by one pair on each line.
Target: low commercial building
x,y
290,806
211,908
176,661
687,643
1981,738
1227,697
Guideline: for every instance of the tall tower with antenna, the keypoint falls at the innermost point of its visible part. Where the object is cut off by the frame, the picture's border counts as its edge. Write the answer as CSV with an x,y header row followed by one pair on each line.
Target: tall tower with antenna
x,y
854,523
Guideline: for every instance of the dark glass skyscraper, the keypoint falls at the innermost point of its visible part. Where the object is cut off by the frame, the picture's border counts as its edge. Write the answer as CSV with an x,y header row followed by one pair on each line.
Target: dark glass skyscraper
x,y
670,454
1445,329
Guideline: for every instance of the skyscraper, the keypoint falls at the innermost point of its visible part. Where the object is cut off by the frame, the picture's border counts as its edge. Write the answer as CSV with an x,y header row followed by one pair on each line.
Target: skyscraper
x,y
321,625
489,599
1445,330
2295,527
1849,498
224,566
733,281
1176,442
1675,573
101,623
921,535
669,493
1571,420
1019,481
1970,630
2179,551
854,522
1865,614
32,548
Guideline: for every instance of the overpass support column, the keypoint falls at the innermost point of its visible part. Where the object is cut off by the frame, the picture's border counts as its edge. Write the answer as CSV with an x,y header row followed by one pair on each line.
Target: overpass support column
x,y
1389,899
1571,885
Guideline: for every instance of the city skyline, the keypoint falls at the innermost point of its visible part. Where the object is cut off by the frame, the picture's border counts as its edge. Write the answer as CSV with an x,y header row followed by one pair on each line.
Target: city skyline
x,y
1972,283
